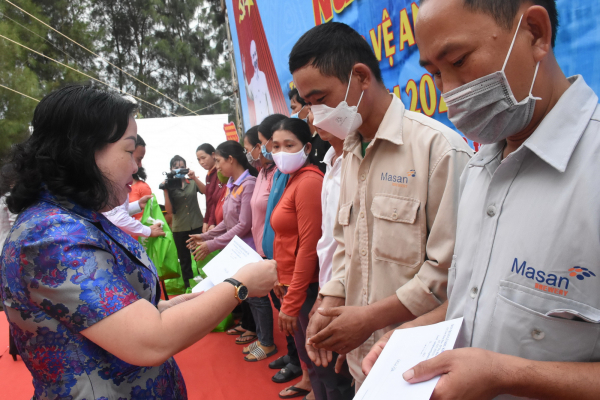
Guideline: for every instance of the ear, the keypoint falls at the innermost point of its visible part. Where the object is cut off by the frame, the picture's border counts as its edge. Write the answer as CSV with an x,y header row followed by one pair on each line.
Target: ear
x,y
364,75
308,147
537,22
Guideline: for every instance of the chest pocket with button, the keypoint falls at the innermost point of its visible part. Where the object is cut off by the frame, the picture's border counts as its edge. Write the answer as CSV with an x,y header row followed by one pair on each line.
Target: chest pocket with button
x,y
543,326
396,235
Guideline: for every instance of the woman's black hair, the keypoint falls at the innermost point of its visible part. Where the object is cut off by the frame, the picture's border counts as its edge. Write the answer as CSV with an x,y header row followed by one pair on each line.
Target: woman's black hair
x,y
207,148
140,142
237,151
266,127
252,136
295,95
301,130
69,126
176,159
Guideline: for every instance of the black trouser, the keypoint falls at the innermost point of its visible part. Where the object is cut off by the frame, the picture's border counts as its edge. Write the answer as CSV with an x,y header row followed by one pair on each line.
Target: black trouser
x,y
248,322
326,384
183,253
291,343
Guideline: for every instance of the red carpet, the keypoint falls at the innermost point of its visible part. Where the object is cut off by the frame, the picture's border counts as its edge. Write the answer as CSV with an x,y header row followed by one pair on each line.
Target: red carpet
x,y
213,369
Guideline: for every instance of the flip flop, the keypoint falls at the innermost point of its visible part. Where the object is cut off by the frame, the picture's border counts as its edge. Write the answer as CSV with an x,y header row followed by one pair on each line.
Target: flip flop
x,y
246,339
299,393
287,373
235,330
258,353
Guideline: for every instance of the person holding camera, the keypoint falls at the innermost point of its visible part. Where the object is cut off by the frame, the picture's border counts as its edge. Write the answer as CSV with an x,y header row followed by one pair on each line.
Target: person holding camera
x,y
181,201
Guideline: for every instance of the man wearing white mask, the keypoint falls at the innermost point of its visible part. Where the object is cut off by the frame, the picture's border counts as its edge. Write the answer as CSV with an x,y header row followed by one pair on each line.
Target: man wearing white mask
x,y
525,273
258,88
398,197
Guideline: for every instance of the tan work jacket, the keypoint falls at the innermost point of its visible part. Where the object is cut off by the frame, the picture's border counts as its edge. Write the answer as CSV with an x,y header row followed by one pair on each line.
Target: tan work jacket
x,y
396,222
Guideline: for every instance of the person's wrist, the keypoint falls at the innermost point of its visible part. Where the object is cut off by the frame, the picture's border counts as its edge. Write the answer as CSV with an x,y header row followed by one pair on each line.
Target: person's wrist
x,y
504,382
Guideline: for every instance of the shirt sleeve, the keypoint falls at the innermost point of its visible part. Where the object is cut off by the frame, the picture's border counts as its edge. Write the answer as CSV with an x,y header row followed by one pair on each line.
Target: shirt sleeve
x,y
336,287
244,224
427,289
120,217
72,280
308,214
134,208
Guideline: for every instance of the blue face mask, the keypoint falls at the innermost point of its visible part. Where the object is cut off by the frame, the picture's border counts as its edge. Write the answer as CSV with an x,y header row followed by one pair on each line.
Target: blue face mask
x,y
297,115
266,154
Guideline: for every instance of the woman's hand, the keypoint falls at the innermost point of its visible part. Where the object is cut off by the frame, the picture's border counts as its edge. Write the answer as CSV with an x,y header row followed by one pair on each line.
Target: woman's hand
x,y
211,227
259,277
287,324
191,174
193,242
165,304
204,228
201,252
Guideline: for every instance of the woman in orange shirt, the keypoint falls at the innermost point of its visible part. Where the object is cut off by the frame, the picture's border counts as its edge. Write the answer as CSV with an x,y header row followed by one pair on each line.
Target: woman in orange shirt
x,y
296,221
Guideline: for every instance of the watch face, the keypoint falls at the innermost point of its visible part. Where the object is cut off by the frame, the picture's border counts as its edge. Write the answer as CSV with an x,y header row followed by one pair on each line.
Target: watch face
x,y
243,292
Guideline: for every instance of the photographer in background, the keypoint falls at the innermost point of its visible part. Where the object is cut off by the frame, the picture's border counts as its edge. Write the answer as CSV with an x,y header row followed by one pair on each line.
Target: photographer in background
x,y
181,200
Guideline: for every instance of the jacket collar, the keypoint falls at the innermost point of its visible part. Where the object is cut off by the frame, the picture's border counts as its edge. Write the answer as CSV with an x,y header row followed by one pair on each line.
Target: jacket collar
x,y
555,139
390,128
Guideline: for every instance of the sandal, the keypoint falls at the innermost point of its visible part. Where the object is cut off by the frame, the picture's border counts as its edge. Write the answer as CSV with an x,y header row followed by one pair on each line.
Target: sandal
x,y
245,339
236,330
258,353
299,393
288,373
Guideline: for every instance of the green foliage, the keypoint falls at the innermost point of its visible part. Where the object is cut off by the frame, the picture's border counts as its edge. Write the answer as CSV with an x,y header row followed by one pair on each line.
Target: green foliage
x,y
174,46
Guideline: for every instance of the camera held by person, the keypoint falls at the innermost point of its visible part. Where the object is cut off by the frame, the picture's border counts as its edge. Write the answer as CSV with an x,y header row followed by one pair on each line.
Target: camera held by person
x,y
174,178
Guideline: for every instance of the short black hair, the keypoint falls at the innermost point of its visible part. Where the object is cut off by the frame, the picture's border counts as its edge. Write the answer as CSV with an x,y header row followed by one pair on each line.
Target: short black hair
x,y
266,127
333,48
140,142
69,126
252,136
295,95
505,11
207,148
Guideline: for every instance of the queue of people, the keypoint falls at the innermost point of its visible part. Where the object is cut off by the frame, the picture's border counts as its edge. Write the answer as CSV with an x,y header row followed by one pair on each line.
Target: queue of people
x,y
397,224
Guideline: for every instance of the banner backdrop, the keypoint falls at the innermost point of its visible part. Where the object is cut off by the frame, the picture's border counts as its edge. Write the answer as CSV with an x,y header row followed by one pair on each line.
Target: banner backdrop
x,y
388,27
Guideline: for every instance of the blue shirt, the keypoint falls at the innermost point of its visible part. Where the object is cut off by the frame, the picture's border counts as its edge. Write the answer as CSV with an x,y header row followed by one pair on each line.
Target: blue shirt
x,y
63,269
280,181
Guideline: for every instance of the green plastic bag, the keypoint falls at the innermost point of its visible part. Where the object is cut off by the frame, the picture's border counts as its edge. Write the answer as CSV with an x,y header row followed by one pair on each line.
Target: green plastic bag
x,y
161,250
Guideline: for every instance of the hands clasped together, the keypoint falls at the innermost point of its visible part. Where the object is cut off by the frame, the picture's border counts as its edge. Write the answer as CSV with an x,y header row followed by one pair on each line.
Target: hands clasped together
x,y
198,247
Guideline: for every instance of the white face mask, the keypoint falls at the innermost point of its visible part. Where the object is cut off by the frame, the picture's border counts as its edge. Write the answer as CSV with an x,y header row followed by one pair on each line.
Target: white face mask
x,y
339,121
288,163
486,110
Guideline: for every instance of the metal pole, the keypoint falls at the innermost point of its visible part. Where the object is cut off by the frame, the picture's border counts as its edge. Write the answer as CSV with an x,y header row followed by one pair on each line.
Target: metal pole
x,y
234,80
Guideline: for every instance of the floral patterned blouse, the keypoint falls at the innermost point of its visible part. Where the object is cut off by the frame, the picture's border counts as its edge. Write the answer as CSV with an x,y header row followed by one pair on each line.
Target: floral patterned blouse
x,y
64,268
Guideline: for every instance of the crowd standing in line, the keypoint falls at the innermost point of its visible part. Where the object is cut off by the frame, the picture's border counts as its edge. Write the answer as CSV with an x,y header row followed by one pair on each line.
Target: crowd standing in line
x,y
377,218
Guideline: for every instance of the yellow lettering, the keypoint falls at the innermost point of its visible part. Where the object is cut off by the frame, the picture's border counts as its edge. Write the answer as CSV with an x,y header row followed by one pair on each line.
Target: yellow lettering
x,y
406,32
443,107
415,11
428,106
376,42
413,92
397,91
388,37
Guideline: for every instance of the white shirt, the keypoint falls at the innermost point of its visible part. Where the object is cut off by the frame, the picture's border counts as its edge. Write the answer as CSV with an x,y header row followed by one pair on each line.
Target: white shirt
x,y
7,219
330,197
526,271
121,217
